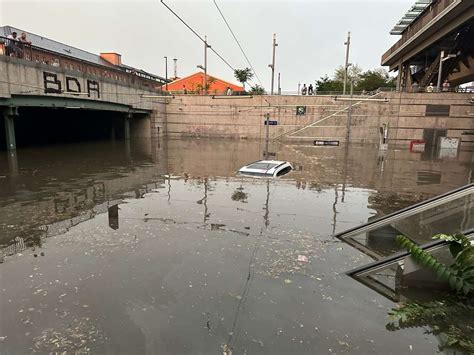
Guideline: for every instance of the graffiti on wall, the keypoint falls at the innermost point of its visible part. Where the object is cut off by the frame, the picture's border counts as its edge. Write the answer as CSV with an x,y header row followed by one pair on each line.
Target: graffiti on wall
x,y
53,85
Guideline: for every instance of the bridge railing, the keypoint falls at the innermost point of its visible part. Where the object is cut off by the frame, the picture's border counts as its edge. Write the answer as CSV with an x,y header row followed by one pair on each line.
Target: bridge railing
x,y
30,52
15,48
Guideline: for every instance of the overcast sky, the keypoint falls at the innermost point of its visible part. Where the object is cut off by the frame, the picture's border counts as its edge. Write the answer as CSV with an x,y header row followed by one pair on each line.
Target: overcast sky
x,y
310,34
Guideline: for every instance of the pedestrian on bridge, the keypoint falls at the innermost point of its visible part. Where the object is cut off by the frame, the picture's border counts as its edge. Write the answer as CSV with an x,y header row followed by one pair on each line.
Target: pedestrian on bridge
x,y
304,90
22,43
446,86
11,46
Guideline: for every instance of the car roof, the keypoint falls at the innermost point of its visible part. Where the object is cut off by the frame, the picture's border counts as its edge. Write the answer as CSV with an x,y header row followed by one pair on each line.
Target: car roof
x,y
269,162
270,170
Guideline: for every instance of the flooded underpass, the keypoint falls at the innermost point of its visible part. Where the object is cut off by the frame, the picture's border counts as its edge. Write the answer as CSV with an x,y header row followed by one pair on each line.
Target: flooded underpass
x,y
157,247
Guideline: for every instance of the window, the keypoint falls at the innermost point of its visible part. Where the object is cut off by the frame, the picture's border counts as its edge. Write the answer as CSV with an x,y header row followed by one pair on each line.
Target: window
x,y
262,166
284,171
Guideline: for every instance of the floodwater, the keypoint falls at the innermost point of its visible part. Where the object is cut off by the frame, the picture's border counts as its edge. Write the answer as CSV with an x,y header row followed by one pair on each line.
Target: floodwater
x,y
152,247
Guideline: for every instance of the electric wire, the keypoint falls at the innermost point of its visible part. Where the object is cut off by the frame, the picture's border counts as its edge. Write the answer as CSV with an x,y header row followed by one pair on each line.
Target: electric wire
x,y
238,43
198,36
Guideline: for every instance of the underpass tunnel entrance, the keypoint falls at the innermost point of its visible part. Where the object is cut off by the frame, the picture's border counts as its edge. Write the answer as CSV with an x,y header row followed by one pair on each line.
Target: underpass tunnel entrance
x,y
37,126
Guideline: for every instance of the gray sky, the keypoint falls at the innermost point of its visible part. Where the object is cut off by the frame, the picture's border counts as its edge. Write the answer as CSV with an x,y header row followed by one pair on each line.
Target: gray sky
x,y
310,34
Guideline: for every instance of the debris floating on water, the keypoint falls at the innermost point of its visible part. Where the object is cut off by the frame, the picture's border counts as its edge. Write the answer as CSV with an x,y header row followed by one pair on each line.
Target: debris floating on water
x,y
303,258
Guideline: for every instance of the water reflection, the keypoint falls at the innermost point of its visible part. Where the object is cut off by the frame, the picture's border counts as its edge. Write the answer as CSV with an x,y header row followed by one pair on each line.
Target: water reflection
x,y
200,261
12,163
57,183
447,317
113,213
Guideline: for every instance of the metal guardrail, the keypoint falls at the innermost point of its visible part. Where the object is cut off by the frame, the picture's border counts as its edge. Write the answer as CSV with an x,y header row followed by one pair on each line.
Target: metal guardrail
x,y
15,48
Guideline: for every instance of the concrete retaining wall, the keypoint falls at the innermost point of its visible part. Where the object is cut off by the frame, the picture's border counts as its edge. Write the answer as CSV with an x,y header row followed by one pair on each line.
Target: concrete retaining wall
x,y
409,115
406,115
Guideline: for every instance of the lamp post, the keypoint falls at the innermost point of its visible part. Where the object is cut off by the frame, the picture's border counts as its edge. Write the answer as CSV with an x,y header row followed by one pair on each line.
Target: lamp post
x,y
205,78
166,72
175,60
349,115
206,46
440,71
273,62
346,65
279,87
267,134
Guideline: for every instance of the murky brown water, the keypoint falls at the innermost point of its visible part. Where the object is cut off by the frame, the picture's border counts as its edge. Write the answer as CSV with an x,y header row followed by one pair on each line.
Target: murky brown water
x,y
157,248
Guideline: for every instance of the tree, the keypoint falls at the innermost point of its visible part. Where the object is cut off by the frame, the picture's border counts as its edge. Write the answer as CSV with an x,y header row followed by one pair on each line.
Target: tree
x,y
369,80
373,79
324,84
243,75
257,90
353,73
200,87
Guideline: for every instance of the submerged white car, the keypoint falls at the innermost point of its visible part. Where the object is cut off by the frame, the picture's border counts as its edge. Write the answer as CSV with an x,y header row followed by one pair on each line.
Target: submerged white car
x,y
266,168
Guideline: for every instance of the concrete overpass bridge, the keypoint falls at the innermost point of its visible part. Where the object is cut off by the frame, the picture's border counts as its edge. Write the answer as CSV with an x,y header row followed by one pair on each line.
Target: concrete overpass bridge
x,y
46,95
436,44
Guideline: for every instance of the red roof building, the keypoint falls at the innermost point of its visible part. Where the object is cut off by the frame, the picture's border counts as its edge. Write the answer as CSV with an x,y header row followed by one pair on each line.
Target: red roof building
x,y
194,84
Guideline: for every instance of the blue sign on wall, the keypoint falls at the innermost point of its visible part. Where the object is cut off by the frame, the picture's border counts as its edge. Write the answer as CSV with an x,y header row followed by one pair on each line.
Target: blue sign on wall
x,y
270,123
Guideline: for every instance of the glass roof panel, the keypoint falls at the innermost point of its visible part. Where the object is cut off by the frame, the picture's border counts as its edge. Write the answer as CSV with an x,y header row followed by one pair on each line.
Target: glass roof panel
x,y
386,276
410,16
449,213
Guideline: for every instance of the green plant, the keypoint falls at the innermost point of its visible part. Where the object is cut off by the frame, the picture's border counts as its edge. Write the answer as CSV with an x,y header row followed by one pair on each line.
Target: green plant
x,y
243,75
257,90
449,319
460,274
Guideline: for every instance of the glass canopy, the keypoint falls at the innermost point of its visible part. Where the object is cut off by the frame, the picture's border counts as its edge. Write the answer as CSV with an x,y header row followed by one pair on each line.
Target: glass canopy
x,y
449,213
445,214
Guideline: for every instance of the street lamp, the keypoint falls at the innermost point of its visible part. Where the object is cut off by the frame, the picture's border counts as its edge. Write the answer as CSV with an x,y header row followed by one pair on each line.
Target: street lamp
x,y
203,68
206,46
273,62
166,72
346,74
349,114
346,66
440,72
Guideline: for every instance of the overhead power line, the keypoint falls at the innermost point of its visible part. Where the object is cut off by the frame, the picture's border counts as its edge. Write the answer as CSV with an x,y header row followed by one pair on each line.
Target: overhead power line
x,y
238,43
197,35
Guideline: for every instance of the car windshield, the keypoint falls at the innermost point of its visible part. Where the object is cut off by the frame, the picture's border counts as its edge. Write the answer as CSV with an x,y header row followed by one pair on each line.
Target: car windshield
x,y
262,166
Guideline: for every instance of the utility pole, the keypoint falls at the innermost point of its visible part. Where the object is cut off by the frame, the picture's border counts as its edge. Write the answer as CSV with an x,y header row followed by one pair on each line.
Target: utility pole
x,y
206,46
279,87
273,62
440,70
346,65
267,122
349,116
175,60
166,72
